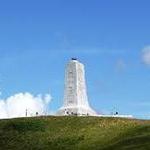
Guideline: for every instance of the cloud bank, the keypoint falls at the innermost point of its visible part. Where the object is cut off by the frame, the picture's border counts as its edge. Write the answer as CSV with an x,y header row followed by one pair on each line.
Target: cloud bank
x,y
22,104
146,55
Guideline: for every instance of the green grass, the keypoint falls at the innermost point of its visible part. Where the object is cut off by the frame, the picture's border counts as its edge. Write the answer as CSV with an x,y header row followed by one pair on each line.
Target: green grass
x,y
74,133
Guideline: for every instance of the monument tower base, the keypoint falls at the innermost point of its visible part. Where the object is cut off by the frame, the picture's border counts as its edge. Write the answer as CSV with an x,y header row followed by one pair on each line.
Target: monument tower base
x,y
76,111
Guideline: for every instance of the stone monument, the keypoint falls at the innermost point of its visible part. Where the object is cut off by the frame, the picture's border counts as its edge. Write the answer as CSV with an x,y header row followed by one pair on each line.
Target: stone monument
x,y
75,92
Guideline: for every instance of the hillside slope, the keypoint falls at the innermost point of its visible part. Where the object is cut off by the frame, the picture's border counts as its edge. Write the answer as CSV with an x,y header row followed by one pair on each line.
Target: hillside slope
x,y
74,133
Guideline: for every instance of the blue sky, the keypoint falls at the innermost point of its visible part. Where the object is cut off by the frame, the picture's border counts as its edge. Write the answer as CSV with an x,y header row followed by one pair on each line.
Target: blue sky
x,y
38,37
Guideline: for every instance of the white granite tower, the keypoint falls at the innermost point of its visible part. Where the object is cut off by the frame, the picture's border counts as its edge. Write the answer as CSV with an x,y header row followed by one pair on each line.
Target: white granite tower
x,y
75,93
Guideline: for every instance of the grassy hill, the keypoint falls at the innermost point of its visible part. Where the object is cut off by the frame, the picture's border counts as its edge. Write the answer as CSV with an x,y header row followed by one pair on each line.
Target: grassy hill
x,y
74,133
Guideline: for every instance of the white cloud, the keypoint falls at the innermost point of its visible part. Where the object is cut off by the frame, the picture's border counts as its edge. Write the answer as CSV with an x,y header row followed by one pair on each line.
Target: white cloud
x,y
16,105
146,55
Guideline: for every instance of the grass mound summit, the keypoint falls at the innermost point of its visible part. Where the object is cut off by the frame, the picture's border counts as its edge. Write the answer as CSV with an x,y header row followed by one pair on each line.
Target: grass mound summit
x,y
74,133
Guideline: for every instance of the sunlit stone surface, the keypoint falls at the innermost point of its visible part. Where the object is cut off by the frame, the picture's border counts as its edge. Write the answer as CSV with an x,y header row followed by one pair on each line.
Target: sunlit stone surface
x,y
75,93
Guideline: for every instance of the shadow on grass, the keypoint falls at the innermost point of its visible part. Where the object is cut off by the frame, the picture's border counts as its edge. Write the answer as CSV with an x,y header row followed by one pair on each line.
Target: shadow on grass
x,y
25,126
137,140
